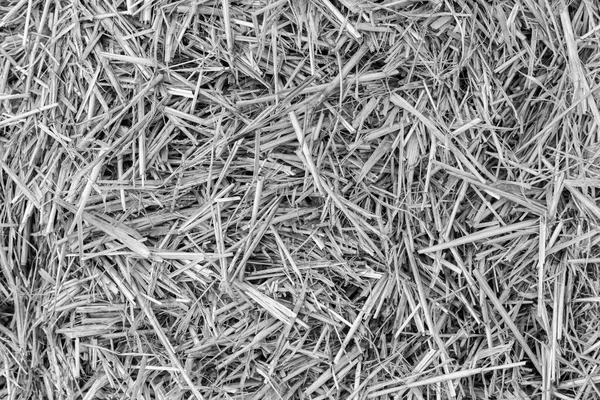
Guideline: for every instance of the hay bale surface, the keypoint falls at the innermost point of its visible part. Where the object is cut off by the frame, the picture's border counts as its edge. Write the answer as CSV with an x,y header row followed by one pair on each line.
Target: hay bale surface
x,y
299,199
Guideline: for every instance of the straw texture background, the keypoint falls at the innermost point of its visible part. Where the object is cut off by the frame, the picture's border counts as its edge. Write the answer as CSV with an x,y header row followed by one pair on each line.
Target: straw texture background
x,y
299,199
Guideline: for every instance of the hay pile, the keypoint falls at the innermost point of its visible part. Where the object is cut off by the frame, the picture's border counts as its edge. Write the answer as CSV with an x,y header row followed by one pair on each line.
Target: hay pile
x,y
316,199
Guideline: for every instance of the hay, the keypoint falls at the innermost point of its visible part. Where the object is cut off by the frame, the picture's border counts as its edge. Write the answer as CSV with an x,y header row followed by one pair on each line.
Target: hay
x,y
299,199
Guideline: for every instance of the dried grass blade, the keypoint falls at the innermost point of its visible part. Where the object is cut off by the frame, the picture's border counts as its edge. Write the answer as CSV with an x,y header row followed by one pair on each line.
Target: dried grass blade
x,y
479,236
115,232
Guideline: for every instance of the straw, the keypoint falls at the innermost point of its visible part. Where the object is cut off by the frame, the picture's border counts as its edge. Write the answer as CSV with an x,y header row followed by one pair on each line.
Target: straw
x,y
337,199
